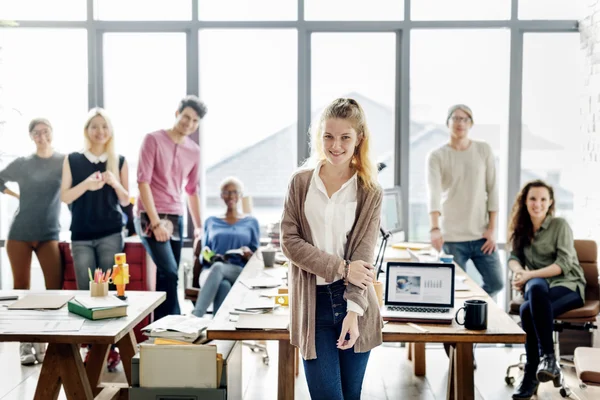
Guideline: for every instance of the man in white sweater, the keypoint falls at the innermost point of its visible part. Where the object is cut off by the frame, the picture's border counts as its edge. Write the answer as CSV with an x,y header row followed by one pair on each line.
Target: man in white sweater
x,y
463,199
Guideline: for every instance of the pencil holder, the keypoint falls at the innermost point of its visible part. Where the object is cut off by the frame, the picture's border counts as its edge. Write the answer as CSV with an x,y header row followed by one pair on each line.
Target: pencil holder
x,y
98,289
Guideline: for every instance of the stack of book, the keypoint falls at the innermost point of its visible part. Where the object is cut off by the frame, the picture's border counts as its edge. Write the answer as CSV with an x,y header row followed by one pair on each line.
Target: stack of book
x,y
98,307
177,327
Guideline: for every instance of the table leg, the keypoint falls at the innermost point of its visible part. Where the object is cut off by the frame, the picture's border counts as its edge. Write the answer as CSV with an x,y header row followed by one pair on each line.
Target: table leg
x,y
461,374
409,351
72,373
48,385
418,355
285,384
127,349
95,365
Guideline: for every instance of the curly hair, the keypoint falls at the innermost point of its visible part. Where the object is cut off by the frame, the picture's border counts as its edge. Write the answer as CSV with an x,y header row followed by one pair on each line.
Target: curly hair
x,y
520,228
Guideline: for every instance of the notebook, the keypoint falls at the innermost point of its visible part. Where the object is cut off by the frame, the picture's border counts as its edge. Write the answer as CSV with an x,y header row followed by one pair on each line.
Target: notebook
x,y
419,292
41,302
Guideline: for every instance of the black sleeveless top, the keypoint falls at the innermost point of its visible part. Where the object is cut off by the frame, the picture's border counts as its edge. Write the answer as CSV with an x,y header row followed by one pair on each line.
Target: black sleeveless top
x,y
95,214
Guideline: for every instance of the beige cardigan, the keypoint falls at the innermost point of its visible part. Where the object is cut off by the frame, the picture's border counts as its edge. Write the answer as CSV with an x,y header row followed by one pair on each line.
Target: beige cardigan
x,y
306,262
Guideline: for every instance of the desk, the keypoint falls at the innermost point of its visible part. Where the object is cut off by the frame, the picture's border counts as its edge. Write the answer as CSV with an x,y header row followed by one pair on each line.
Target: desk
x,y
501,329
63,364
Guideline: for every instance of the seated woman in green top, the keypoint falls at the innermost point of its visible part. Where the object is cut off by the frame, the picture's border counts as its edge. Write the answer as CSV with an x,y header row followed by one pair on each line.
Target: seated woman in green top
x,y
546,269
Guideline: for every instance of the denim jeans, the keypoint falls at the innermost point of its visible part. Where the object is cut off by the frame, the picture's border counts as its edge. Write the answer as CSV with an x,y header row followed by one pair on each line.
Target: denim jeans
x,y
92,254
335,374
166,256
542,304
221,278
488,265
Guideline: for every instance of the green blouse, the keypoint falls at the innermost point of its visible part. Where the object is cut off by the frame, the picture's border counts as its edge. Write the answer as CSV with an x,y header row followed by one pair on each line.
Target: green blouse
x,y
553,244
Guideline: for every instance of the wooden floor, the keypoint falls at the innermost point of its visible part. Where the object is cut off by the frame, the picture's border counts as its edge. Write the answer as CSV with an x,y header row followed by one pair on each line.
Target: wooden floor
x,y
389,376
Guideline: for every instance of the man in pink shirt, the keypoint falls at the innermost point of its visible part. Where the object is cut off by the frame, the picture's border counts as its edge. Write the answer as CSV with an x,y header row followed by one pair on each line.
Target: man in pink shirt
x,y
168,158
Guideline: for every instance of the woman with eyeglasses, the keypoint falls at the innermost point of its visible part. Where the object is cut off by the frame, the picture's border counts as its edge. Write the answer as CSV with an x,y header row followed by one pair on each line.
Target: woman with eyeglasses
x,y
35,226
229,242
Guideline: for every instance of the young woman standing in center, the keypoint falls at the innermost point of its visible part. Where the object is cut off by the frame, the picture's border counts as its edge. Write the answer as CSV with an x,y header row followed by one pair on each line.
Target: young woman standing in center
x,y
329,231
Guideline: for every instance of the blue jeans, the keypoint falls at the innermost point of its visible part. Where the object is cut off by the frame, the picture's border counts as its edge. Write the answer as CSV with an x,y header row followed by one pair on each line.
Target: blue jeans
x,y
542,304
335,374
166,256
92,254
488,265
219,282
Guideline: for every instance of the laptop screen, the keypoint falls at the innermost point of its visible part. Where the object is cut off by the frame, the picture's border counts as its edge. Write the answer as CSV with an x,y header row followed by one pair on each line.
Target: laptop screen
x,y
420,284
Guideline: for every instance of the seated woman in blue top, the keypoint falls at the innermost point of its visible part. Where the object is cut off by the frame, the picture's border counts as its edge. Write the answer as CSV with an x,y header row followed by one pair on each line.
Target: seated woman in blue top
x,y
233,231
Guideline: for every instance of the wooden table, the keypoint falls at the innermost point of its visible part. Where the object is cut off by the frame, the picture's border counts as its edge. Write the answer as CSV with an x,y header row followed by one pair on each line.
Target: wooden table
x,y
63,364
501,329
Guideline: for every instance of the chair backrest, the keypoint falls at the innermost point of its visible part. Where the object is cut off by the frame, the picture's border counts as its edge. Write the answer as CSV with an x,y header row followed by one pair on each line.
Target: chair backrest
x,y
587,253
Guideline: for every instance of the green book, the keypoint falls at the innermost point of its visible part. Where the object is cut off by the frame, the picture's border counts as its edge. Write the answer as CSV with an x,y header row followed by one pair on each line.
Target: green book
x,y
97,313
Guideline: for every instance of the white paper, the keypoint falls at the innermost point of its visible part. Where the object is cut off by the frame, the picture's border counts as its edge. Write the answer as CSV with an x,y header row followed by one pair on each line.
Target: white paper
x,y
261,283
41,325
100,302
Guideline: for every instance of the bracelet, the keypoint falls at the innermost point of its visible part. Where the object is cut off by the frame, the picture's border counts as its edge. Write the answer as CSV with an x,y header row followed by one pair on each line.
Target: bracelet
x,y
154,226
346,271
434,229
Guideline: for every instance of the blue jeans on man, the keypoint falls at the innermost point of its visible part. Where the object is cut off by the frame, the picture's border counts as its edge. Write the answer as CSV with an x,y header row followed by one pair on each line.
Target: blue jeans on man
x,y
488,265
166,256
335,374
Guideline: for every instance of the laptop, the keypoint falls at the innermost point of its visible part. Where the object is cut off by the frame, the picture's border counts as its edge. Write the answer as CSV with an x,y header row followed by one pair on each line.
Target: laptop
x,y
419,292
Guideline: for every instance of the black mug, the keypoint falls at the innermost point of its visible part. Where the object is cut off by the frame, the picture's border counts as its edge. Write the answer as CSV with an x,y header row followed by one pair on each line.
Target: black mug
x,y
475,315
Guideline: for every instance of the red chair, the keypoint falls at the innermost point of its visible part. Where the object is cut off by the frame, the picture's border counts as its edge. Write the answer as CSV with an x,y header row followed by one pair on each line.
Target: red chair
x,y
142,274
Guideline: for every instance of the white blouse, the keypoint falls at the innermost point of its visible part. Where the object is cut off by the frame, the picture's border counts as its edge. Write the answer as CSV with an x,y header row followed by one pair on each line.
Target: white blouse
x,y
331,219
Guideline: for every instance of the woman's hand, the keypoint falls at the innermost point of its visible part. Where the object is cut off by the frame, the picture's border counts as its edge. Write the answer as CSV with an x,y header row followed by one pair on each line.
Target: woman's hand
x,y
247,252
520,279
94,182
350,328
109,179
360,274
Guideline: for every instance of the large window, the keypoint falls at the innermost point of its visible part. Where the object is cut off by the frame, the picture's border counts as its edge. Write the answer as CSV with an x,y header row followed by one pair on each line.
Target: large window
x,y
142,88
358,10
48,78
249,82
450,67
245,10
43,10
143,10
552,83
371,82
460,10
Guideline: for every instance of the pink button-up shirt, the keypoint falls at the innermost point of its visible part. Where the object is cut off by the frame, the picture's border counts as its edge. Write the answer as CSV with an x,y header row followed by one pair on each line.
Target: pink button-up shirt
x,y
165,165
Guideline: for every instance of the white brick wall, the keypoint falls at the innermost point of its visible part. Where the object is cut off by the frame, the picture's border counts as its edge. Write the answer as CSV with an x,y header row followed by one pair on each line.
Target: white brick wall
x,y
587,200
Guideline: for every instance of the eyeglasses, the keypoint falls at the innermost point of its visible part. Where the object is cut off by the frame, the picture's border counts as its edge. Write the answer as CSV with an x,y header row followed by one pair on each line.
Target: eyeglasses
x,y
229,193
40,132
461,119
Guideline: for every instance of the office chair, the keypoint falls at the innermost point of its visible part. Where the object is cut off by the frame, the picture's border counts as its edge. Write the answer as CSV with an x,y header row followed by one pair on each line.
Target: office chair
x,y
581,319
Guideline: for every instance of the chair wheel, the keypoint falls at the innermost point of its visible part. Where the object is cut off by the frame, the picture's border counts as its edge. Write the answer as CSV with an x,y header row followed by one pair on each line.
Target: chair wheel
x,y
266,360
565,392
510,380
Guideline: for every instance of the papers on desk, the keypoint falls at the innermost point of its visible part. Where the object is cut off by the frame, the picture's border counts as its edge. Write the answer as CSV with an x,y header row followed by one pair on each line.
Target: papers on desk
x,y
263,321
460,284
263,282
41,301
41,325
179,327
